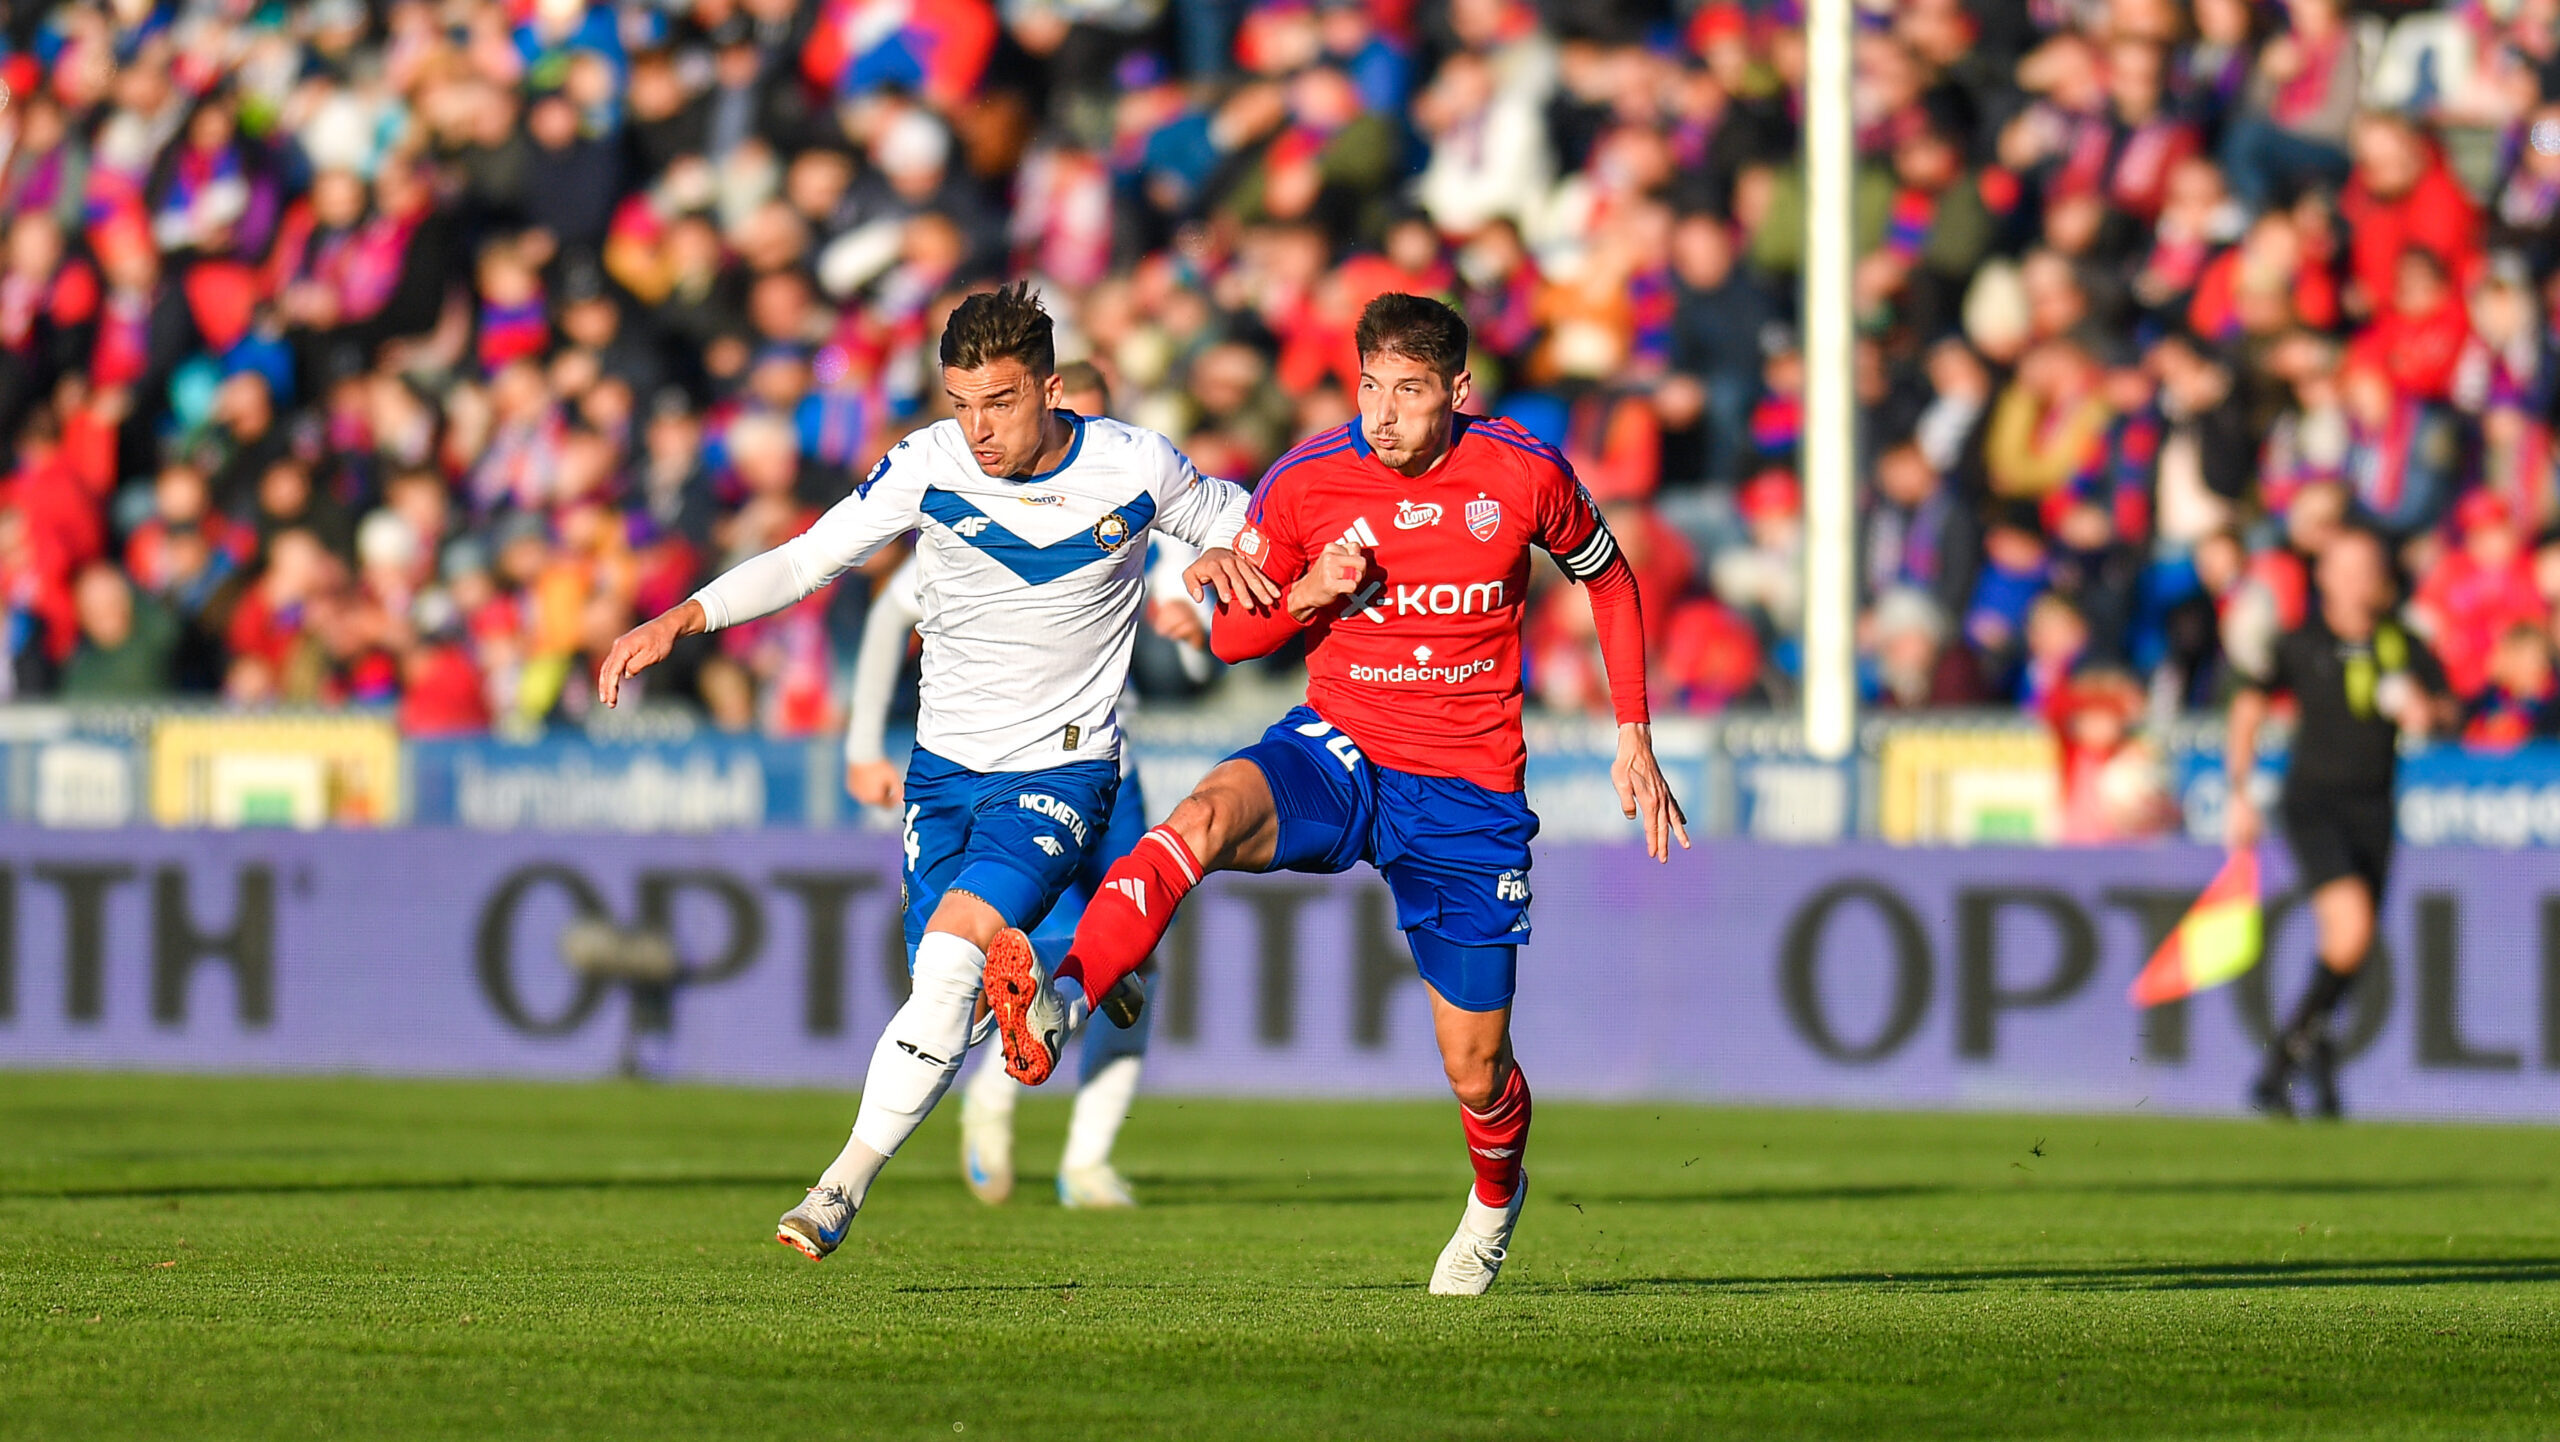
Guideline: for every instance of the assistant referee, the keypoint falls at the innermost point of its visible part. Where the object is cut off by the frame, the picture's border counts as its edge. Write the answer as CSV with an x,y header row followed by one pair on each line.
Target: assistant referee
x,y
2360,682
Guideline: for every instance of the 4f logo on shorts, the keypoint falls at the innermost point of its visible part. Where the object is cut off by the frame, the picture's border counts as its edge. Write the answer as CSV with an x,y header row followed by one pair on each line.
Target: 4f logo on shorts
x,y
1049,844
907,837
968,527
1511,886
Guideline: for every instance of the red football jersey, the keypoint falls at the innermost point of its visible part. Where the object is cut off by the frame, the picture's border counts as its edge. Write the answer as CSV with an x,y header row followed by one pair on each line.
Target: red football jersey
x,y
1422,667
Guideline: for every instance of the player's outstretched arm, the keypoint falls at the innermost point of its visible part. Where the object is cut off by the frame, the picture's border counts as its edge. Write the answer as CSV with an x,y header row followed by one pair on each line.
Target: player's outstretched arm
x,y
1644,792
645,645
1235,578
1617,613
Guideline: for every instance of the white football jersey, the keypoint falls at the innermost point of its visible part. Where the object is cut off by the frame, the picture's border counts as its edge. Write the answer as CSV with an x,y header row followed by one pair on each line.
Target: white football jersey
x,y
1030,588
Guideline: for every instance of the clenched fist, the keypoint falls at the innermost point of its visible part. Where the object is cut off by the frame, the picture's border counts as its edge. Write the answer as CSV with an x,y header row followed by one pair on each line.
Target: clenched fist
x,y
1337,573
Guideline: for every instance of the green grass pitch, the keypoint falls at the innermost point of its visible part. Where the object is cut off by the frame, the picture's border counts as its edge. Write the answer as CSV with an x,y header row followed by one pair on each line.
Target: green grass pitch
x,y
189,1258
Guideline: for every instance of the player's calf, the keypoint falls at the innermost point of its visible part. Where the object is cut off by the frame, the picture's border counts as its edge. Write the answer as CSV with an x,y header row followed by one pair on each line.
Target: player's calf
x,y
1128,915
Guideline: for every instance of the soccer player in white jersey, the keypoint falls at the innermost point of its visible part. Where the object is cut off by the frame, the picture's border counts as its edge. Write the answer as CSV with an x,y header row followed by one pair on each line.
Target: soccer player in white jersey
x,y
1031,525
1113,1055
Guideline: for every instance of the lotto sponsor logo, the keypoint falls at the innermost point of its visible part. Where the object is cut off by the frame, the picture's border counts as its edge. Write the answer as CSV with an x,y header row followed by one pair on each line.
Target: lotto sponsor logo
x,y
1413,516
1132,888
1423,672
1056,810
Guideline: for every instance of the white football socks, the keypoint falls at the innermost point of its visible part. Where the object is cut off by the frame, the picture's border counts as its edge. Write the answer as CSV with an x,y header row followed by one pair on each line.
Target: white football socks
x,y
992,1088
922,1048
1102,1104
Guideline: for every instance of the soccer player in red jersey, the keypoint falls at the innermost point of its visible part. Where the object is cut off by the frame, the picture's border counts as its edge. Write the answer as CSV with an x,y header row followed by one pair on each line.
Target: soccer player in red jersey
x,y
1401,544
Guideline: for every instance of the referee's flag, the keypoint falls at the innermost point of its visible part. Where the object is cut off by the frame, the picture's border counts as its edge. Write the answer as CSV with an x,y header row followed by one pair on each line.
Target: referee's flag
x,y
2218,939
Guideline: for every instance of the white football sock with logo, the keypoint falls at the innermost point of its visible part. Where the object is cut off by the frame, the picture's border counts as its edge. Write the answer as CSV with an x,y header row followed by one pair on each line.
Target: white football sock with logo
x,y
922,1048
1102,1104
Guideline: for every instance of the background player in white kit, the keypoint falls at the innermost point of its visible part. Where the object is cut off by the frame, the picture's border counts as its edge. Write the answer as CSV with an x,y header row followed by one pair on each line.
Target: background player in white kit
x,y
1031,526
1112,1055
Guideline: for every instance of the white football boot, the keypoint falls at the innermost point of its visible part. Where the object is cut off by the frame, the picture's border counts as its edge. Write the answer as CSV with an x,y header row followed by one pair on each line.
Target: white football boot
x,y
816,1226
1035,1020
986,1146
1475,1255
1098,1188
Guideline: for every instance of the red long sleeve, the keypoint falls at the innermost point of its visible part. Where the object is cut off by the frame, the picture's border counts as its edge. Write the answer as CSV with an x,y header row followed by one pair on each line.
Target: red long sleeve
x,y
1617,612
1238,633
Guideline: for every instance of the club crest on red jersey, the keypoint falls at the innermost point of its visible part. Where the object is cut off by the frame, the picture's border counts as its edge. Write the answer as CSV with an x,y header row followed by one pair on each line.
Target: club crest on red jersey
x,y
1484,518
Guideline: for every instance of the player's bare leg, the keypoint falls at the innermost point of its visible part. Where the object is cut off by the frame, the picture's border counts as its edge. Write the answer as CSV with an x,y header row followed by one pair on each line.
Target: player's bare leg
x,y
1493,1109
1227,823
2343,913
919,1053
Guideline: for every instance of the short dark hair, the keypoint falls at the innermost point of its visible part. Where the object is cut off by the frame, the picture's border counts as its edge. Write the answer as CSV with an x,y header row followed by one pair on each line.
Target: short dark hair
x,y
1415,327
1005,324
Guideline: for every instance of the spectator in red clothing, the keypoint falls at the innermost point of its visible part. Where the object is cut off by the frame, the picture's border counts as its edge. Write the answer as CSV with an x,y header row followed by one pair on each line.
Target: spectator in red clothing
x,y
2521,701
2419,340
2477,592
2115,784
1709,659
181,501
268,623
2402,195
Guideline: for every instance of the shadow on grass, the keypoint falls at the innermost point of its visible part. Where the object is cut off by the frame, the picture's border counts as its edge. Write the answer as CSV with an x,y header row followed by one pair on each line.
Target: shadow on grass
x,y
1337,1191
324,1187
2129,1277
1197,1190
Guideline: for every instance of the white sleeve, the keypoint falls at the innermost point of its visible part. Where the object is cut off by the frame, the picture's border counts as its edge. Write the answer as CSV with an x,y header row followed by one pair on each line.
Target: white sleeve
x,y
1203,510
894,613
883,507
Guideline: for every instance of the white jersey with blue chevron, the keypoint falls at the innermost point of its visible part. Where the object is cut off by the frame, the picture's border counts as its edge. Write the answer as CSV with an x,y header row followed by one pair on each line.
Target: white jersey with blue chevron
x,y
1030,587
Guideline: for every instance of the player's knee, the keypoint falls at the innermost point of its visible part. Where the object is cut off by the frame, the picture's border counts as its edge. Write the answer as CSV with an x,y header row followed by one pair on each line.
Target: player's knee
x,y
1207,821
1475,1078
967,917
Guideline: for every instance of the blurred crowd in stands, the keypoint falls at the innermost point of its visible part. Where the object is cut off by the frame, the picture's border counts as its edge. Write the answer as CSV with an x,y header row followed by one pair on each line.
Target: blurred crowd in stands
x,y
403,352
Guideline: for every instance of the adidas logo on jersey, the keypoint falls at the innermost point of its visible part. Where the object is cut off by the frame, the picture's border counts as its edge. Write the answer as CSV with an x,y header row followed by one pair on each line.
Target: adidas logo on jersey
x,y
1360,534
968,527
1132,888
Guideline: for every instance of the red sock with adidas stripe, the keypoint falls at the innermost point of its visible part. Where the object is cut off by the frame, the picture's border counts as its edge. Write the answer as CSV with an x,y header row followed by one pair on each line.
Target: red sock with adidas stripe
x,y
1129,913
1497,1138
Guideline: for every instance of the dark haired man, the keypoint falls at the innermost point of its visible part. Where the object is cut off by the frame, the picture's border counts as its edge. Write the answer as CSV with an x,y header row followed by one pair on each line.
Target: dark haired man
x,y
1402,541
1031,540
2361,683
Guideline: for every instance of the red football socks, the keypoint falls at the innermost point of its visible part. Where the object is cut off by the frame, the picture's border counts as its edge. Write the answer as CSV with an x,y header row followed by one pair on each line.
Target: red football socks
x,y
1497,1138
1129,914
